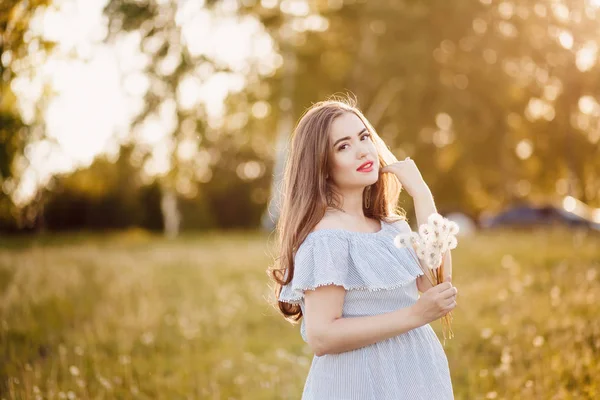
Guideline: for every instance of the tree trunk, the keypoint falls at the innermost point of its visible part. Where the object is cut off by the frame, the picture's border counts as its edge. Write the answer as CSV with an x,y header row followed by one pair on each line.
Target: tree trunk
x,y
170,212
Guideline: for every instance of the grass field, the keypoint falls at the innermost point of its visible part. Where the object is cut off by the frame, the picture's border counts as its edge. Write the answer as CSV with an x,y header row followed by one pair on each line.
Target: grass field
x,y
132,315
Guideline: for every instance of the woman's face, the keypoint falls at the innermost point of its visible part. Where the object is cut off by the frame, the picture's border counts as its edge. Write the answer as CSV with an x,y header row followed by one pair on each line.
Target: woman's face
x,y
350,146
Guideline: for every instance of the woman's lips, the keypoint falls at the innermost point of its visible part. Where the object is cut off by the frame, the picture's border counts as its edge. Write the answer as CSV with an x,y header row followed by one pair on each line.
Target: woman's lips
x,y
368,169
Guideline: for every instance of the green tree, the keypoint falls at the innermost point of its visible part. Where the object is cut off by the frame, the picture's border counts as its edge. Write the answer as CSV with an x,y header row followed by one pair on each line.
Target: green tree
x,y
15,134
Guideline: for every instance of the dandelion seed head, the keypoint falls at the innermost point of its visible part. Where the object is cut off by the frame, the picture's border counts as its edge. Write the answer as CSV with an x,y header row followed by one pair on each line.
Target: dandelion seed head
x,y
486,333
147,338
538,341
452,243
431,241
402,240
430,247
444,247
435,219
453,228
445,226
397,242
104,382
414,237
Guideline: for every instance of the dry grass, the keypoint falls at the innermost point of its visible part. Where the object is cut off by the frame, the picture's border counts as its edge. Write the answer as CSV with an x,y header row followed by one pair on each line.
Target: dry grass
x,y
137,316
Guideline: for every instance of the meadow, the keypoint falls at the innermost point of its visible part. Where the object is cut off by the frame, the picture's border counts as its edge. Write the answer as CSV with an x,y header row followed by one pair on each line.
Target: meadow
x,y
135,315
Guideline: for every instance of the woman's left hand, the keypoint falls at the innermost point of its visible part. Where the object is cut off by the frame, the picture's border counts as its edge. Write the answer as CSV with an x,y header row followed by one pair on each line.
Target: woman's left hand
x,y
409,176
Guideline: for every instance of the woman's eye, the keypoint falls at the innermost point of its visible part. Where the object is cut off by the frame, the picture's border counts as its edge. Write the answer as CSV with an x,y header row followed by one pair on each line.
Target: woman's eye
x,y
342,147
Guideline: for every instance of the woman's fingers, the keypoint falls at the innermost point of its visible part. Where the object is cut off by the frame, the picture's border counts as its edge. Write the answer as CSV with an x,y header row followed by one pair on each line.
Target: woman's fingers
x,y
452,291
450,303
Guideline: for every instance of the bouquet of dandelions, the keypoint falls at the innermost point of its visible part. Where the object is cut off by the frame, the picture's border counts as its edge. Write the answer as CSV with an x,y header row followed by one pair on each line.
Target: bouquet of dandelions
x,y
430,244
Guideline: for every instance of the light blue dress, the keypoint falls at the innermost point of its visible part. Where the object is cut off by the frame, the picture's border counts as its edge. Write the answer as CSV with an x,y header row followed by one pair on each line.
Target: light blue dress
x,y
378,278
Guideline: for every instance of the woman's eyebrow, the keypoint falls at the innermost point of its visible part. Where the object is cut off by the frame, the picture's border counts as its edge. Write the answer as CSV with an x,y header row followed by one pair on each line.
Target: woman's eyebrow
x,y
348,137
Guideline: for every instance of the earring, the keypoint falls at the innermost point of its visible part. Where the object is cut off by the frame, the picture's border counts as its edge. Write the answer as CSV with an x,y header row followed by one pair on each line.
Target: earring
x,y
328,199
368,197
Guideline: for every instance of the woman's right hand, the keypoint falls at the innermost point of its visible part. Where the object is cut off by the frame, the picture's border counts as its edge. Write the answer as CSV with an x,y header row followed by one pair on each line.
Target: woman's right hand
x,y
435,302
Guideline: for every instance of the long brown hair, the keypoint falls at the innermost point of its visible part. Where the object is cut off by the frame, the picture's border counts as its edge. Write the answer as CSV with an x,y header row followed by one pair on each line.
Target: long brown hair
x,y
307,193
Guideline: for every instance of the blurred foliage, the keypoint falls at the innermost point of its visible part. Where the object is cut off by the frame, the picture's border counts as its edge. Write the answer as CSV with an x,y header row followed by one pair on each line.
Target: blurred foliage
x,y
136,315
496,101
116,195
106,195
14,45
464,88
15,134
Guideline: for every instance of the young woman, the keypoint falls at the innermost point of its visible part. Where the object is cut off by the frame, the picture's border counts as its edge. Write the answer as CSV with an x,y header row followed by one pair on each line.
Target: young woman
x,y
339,269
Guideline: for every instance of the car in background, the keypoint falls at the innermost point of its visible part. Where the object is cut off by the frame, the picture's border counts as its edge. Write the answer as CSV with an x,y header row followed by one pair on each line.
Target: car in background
x,y
571,213
466,225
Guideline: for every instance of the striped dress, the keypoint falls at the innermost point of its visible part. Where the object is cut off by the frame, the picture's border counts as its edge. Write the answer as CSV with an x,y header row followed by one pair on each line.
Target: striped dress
x,y
378,278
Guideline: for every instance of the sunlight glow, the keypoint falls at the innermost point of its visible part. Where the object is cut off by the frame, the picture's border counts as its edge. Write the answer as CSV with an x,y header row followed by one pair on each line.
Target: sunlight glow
x,y
561,11
235,42
577,207
261,109
569,203
99,87
298,8
88,108
596,215
565,39
587,56
588,105
539,108
524,149
506,9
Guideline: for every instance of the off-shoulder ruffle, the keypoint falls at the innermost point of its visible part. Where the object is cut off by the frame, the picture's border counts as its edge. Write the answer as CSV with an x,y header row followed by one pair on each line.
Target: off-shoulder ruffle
x,y
354,260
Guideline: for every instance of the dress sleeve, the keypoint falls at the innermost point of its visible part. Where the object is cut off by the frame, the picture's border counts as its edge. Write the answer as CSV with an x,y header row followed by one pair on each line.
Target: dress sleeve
x,y
402,226
319,261
365,262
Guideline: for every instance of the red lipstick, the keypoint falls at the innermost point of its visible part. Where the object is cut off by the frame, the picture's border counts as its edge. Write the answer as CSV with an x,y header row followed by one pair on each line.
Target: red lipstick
x,y
366,167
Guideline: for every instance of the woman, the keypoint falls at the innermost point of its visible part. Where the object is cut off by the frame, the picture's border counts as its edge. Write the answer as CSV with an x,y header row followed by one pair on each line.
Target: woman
x,y
339,269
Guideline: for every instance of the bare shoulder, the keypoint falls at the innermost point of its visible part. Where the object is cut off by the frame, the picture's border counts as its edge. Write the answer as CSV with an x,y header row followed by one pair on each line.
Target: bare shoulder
x,y
330,220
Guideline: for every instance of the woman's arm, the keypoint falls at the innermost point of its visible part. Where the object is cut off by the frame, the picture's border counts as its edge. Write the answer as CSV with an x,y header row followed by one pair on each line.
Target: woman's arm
x,y
328,333
410,177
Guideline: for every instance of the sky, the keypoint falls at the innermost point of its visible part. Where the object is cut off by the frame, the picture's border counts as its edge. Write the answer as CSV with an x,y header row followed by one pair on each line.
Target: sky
x,y
98,86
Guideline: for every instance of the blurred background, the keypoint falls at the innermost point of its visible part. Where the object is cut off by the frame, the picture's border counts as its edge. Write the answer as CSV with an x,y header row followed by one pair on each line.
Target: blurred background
x,y
141,149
